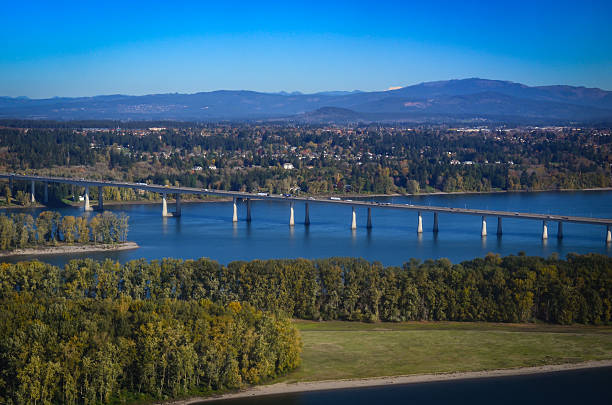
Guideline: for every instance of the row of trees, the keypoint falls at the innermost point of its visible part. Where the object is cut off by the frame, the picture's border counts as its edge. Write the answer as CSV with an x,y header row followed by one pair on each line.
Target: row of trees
x,y
50,228
89,351
509,289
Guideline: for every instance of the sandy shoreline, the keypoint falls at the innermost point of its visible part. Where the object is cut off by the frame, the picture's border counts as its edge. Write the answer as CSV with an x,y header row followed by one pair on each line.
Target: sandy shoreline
x,y
56,250
286,388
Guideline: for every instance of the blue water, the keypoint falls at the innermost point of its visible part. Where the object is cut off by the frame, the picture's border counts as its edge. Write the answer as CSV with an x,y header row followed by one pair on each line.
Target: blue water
x,y
589,386
206,229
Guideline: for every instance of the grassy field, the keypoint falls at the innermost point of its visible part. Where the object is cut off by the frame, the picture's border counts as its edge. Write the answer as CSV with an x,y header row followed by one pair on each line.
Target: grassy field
x,y
344,350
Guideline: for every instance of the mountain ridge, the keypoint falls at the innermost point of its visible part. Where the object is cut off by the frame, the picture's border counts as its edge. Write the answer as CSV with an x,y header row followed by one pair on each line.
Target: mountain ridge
x,y
471,98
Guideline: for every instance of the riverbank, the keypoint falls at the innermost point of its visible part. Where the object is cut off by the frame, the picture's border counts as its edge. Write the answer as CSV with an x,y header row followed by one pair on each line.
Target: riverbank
x,y
70,249
340,354
288,388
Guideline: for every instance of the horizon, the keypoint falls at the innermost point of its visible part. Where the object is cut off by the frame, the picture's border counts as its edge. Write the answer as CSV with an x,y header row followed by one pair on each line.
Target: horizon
x,y
70,49
298,92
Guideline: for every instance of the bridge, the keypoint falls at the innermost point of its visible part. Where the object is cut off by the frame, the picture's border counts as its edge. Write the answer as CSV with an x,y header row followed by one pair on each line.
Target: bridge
x,y
292,200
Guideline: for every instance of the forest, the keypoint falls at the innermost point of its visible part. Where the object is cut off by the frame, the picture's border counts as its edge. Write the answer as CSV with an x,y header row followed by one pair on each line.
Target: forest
x,y
515,288
18,231
105,332
91,351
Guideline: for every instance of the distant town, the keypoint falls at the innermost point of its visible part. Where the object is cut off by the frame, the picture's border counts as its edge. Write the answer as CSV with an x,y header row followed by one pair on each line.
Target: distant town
x,y
316,159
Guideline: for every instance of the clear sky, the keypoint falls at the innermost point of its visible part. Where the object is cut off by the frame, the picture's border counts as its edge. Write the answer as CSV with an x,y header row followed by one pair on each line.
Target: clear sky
x,y
84,48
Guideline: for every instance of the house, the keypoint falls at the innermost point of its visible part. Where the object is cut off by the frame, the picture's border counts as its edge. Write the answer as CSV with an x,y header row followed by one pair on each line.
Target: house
x,y
288,166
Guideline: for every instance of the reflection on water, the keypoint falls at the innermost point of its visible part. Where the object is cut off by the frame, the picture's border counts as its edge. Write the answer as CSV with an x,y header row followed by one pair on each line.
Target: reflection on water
x,y
206,229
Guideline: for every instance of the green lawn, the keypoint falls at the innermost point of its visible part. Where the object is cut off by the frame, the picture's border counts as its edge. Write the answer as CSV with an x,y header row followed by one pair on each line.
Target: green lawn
x,y
338,350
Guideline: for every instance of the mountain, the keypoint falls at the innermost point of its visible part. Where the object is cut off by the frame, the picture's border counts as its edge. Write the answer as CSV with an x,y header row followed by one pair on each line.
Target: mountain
x,y
451,100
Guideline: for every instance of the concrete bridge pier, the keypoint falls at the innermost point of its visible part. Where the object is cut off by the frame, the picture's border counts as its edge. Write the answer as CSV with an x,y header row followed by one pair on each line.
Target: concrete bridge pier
x,y
177,212
499,226
608,234
100,199
164,206
32,189
544,230
86,206
369,217
435,222
235,216
560,230
291,216
420,223
483,229
46,195
306,215
248,217
354,221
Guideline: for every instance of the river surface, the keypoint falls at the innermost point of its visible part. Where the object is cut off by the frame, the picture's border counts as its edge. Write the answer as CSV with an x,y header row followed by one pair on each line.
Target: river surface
x,y
206,230
589,386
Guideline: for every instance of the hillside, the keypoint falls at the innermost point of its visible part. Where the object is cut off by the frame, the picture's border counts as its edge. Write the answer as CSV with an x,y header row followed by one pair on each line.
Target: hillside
x,y
466,99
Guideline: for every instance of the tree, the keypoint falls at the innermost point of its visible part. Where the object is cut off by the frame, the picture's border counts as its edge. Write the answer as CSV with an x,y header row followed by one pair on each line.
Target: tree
x,y
7,194
82,230
68,228
44,226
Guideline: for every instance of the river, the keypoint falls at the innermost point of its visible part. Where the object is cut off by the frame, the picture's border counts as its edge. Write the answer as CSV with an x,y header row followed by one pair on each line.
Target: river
x,y
206,229
588,386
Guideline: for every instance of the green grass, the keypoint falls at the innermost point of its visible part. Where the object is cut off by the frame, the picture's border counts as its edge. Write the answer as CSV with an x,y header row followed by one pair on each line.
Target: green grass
x,y
341,350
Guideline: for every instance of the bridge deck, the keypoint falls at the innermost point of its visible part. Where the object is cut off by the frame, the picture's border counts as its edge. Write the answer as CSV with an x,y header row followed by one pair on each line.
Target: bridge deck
x,y
237,194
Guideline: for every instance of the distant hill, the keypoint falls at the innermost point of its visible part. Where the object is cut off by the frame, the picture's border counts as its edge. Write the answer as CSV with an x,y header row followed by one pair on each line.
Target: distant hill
x,y
465,99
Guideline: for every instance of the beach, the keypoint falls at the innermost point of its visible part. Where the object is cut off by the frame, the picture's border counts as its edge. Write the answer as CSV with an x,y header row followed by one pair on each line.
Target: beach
x,y
287,388
69,249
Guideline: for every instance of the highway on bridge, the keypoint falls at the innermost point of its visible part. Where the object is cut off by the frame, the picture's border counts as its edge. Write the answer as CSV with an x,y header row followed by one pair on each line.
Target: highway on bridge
x,y
164,190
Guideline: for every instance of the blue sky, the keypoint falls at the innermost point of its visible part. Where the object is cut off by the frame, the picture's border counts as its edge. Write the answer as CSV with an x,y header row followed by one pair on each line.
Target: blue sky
x,y
61,48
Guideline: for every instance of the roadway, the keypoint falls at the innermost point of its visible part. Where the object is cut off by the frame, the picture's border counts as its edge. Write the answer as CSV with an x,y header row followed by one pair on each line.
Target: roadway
x,y
354,203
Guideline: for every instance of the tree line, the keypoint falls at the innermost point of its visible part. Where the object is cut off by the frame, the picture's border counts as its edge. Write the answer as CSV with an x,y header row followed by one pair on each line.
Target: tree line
x,y
89,351
18,231
520,288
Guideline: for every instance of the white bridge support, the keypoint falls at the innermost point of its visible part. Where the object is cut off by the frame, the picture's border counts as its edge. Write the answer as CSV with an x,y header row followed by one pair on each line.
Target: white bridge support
x,y
235,215
306,215
483,229
100,199
419,223
369,218
560,230
544,230
291,215
499,226
248,217
354,221
435,223
46,195
86,206
32,190
608,234
165,212
164,206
